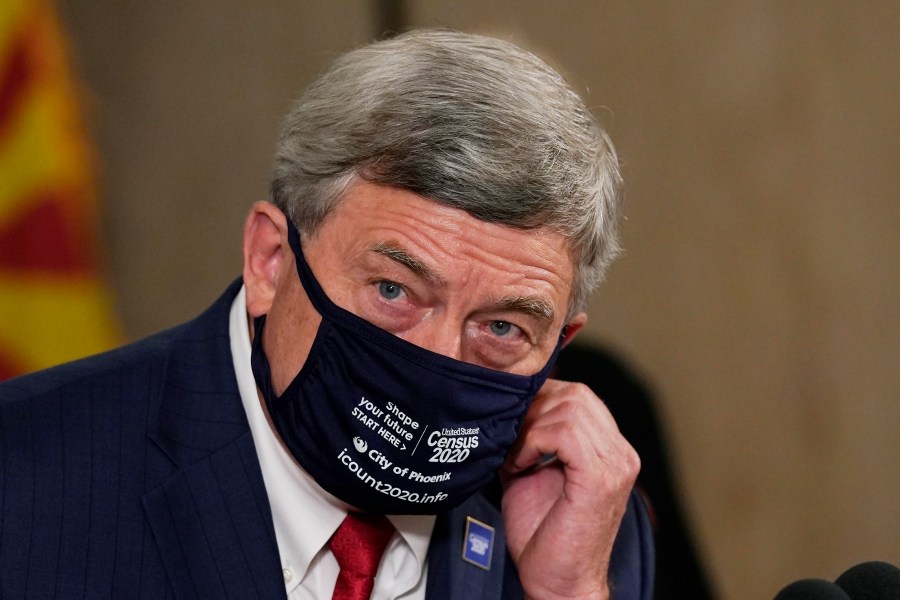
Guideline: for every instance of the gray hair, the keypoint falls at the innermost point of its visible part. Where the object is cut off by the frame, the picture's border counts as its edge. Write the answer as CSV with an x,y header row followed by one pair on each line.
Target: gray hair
x,y
468,121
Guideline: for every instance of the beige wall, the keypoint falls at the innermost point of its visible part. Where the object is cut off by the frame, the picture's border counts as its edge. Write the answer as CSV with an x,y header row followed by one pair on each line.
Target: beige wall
x,y
759,290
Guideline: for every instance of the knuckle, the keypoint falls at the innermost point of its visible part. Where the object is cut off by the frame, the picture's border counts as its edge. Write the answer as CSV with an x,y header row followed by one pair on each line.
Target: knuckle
x,y
579,389
632,460
570,410
636,461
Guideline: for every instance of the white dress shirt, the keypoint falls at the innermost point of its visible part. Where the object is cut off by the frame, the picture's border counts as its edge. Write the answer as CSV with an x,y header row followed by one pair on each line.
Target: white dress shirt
x,y
305,516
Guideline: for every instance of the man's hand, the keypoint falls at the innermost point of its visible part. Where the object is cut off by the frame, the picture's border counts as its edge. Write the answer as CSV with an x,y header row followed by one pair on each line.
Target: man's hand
x,y
562,517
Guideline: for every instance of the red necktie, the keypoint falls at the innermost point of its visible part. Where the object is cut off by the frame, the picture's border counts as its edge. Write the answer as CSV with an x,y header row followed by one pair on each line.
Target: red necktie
x,y
358,545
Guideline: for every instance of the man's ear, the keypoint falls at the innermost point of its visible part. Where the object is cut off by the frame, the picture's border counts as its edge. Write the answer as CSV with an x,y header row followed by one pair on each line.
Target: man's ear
x,y
265,249
572,327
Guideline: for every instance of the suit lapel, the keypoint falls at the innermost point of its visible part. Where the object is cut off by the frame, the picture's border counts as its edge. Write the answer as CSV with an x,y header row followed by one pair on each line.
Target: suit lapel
x,y
452,578
210,518
214,531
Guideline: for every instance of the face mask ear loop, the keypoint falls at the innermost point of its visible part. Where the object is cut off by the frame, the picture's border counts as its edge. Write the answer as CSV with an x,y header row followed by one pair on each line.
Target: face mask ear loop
x,y
538,380
259,363
317,296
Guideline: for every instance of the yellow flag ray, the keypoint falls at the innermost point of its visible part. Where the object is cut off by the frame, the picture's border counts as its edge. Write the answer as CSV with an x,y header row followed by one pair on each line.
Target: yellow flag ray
x,y
38,154
52,321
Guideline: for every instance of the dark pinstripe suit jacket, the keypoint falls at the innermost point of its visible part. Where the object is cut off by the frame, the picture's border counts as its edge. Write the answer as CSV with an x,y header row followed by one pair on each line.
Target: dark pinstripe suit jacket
x,y
133,475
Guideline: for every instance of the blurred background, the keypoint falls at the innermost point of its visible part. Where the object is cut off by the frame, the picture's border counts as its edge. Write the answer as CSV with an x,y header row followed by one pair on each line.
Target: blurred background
x,y
758,294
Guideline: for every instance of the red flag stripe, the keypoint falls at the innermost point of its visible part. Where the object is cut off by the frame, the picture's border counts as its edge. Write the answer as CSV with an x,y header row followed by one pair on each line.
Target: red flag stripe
x,y
44,238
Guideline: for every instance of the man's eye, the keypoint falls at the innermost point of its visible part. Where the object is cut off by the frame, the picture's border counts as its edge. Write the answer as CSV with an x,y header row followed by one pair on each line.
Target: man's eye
x,y
501,328
389,290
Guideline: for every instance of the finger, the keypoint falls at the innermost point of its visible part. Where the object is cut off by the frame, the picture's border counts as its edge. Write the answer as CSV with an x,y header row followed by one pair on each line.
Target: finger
x,y
564,432
587,447
571,402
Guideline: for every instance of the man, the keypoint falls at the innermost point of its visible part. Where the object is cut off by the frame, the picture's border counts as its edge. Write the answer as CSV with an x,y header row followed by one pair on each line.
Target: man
x,y
442,204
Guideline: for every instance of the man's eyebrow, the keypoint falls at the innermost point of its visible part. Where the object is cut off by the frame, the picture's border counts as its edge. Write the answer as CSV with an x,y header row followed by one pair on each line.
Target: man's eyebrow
x,y
534,307
401,256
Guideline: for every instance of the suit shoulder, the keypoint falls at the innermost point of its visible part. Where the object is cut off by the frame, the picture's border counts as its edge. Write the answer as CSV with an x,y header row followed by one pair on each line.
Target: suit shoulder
x,y
87,376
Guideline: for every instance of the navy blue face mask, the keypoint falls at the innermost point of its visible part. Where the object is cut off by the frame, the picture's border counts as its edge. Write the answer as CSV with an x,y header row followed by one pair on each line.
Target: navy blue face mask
x,y
387,426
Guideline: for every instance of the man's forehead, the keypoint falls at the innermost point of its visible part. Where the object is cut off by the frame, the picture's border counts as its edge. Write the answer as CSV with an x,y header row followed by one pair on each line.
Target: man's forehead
x,y
425,235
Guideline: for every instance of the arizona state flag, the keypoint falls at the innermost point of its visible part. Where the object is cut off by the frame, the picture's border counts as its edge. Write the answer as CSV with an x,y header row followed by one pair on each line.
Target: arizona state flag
x,y
53,304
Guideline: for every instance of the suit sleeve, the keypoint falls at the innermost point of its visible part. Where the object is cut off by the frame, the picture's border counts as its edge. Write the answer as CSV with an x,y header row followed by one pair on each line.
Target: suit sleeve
x,y
632,564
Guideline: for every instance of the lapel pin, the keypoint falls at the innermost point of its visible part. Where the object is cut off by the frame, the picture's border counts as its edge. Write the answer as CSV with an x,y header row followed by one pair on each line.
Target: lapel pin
x,y
478,543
